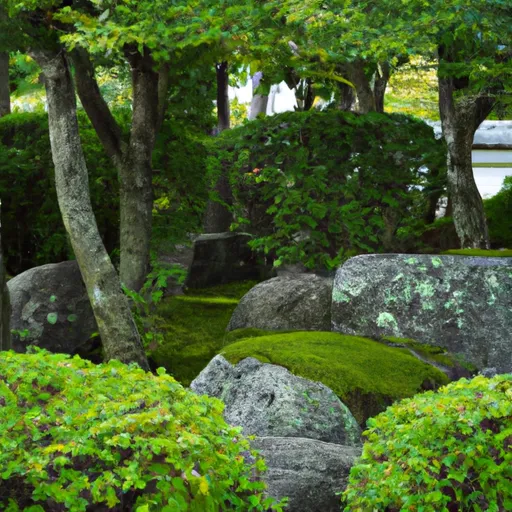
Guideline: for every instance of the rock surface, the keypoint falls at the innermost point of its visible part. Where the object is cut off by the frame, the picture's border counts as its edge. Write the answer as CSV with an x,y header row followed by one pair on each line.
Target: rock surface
x,y
221,258
458,302
300,302
51,303
268,401
308,471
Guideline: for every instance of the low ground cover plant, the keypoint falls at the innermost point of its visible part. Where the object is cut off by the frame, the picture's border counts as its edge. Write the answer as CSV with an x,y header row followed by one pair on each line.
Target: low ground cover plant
x,y
81,437
445,452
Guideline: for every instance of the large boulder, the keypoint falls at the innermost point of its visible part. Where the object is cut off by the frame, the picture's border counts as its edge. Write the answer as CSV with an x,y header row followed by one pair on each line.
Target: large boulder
x,y
269,401
307,471
50,309
299,302
458,302
221,258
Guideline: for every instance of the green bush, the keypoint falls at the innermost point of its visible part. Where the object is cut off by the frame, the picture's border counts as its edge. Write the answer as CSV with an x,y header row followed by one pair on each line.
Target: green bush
x,y
443,452
79,437
32,229
498,210
317,187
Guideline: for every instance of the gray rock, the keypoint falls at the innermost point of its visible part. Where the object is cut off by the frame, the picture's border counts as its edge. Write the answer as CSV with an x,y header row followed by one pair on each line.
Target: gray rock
x,y
268,400
293,302
461,303
221,258
308,471
51,303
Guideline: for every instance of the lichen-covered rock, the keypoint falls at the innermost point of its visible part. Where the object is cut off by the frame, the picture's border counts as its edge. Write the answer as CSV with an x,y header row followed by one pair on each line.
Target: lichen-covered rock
x,y
268,400
461,303
300,302
307,471
50,309
221,258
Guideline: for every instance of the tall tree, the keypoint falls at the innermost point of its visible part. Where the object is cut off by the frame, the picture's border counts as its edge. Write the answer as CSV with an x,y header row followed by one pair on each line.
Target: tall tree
x,y
36,33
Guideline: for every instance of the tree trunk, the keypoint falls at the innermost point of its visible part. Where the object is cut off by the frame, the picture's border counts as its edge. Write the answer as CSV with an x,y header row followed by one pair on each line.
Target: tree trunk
x,y
365,95
5,304
110,306
5,96
222,96
132,160
381,83
135,174
259,102
460,121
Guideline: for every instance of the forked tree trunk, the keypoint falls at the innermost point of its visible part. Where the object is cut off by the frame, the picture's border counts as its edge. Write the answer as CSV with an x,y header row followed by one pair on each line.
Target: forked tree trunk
x,y
222,96
110,306
460,121
5,97
133,159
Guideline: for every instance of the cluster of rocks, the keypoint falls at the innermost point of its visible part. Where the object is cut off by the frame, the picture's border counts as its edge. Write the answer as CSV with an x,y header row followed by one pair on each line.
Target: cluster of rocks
x,y
308,437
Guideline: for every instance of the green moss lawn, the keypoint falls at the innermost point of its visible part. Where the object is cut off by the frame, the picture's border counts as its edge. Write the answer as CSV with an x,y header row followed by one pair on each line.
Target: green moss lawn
x,y
365,374
505,253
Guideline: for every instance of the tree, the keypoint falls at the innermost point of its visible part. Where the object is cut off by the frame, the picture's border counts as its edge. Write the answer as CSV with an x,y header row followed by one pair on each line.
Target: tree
x,y
471,45
110,306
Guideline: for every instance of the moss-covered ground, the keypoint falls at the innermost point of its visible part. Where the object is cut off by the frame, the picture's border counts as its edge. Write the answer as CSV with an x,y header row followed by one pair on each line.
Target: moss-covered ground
x,y
367,375
193,327
505,253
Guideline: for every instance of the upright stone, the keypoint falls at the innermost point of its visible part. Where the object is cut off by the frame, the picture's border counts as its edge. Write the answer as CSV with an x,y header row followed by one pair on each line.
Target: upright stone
x,y
461,303
221,258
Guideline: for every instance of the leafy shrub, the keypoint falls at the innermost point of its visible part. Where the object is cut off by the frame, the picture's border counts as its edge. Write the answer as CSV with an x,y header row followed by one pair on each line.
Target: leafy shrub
x,y
317,187
79,437
498,210
445,451
32,227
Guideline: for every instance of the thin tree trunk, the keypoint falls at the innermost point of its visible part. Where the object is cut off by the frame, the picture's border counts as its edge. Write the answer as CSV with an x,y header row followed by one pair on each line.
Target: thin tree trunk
x,y
381,83
110,306
222,96
259,102
460,121
5,95
365,95
135,184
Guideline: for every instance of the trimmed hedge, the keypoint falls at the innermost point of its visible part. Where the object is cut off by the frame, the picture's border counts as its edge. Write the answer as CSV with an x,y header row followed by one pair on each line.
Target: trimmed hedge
x,y
318,187
81,437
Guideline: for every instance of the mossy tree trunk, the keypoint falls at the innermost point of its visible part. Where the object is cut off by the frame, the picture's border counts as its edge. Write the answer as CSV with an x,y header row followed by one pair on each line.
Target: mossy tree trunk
x,y
460,120
110,306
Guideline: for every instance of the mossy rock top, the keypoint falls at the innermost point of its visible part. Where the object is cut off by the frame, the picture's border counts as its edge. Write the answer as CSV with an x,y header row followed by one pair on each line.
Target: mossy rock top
x,y
366,375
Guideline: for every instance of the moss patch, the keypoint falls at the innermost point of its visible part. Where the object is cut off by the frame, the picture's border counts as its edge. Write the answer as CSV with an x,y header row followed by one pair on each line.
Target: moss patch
x,y
430,352
193,326
505,253
366,375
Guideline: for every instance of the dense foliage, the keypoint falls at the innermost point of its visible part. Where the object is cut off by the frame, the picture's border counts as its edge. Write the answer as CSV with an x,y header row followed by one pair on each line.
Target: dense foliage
x,y
76,436
445,451
499,212
32,229
317,187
